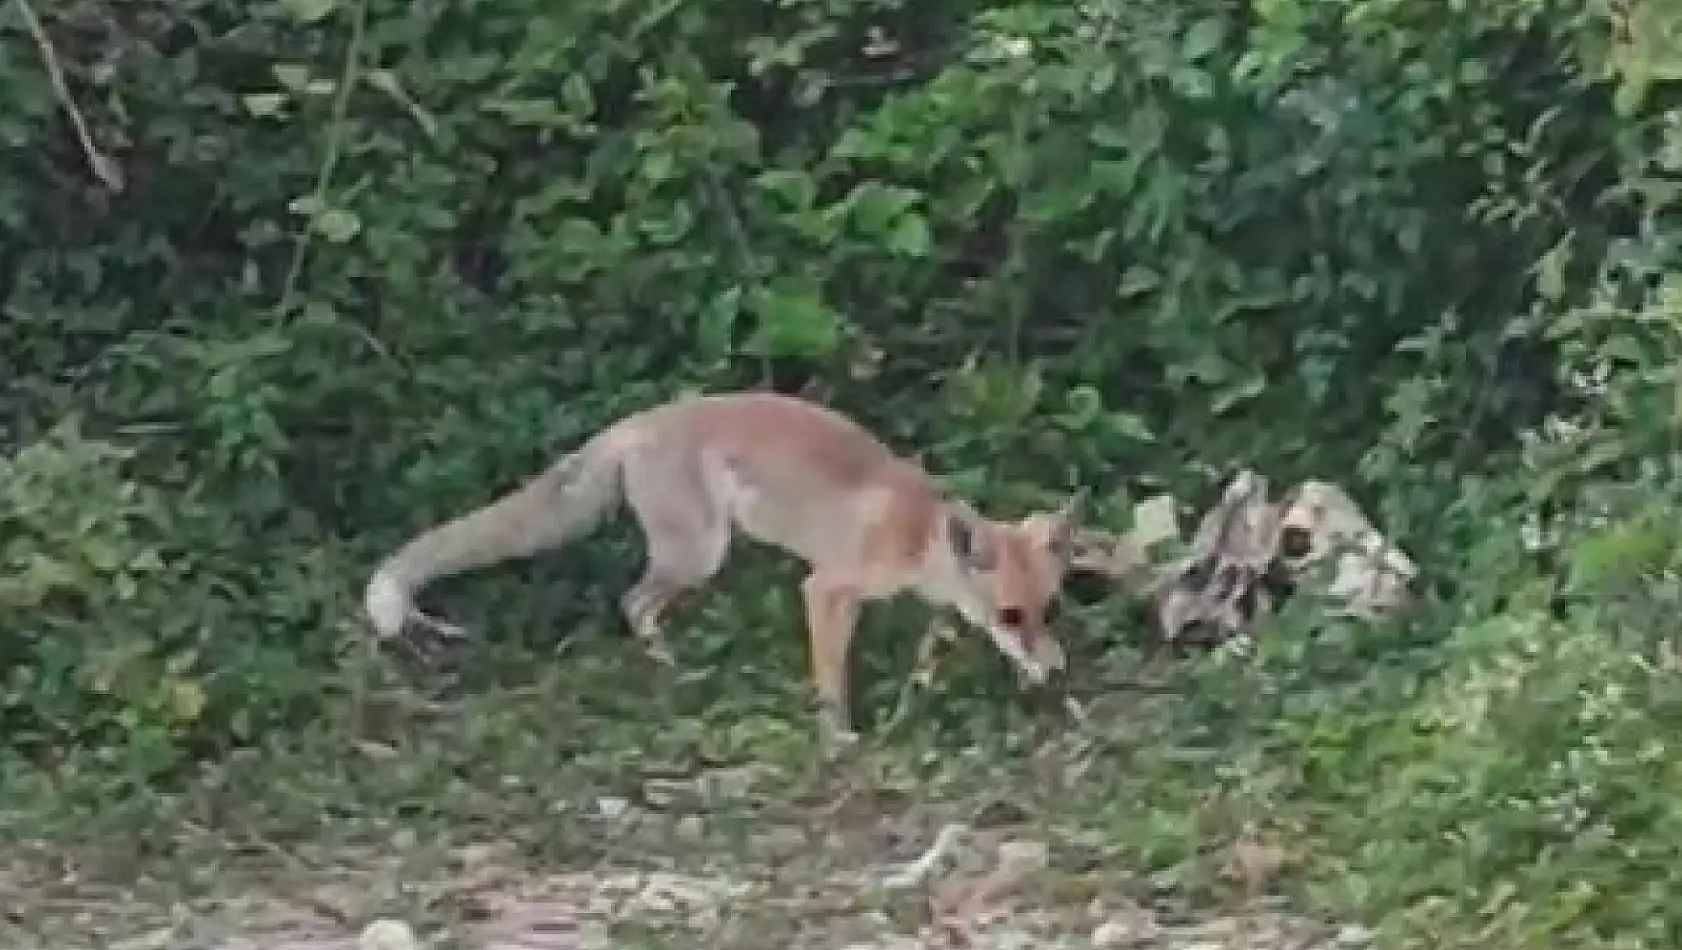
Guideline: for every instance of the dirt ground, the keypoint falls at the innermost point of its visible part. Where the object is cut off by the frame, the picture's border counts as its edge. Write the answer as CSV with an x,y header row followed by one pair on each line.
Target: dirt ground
x,y
855,872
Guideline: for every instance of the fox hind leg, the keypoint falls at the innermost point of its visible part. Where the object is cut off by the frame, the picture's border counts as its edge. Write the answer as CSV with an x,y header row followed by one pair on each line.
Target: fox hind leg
x,y
687,538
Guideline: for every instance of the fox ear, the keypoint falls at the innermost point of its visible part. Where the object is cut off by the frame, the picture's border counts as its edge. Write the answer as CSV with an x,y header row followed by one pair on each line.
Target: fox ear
x,y
967,543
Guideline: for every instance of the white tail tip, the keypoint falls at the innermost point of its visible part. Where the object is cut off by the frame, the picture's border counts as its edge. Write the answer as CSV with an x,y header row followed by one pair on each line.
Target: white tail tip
x,y
386,601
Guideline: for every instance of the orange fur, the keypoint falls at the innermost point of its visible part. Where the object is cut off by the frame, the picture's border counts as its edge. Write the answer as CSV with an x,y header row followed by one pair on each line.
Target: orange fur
x,y
699,470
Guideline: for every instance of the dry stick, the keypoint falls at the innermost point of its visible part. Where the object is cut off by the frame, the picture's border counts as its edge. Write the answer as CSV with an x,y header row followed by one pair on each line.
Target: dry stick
x,y
103,166
922,676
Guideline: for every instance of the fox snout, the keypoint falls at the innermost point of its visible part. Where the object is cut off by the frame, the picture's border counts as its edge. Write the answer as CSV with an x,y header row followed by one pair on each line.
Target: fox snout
x,y
1038,655
1047,655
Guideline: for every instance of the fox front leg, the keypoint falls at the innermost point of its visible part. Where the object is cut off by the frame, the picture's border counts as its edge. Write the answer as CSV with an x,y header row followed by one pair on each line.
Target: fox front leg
x,y
643,606
832,610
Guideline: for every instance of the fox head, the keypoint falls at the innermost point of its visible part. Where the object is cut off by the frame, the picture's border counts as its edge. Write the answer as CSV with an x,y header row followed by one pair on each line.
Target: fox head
x,y
1009,574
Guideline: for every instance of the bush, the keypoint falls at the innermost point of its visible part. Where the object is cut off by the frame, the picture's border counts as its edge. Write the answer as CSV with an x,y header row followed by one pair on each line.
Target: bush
x,y
131,638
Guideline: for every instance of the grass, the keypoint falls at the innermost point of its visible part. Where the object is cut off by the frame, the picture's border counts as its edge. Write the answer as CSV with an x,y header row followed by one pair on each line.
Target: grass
x,y
585,796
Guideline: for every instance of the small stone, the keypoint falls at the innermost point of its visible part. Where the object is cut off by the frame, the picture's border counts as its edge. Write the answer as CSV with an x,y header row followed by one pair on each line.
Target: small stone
x,y
1111,933
478,855
668,794
781,841
1123,931
730,784
1024,856
1354,935
387,934
691,829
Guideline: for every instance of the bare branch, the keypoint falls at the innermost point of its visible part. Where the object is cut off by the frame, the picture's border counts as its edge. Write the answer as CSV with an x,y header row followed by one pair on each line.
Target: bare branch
x,y
103,166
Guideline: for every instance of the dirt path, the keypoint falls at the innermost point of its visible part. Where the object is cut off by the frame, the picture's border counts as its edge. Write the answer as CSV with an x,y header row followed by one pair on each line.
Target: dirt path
x,y
965,891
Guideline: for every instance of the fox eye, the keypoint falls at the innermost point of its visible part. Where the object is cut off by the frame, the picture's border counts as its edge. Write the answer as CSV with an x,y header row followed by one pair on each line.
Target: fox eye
x,y
1010,616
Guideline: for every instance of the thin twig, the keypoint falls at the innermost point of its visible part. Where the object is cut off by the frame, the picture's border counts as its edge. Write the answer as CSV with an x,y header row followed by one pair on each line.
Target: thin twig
x,y
103,166
922,675
335,145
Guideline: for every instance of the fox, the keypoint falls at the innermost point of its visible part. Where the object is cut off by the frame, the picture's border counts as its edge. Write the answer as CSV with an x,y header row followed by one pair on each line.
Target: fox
x,y
700,470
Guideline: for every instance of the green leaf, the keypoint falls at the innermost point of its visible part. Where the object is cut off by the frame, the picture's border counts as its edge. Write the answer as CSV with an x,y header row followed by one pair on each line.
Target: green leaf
x,y
577,95
1138,280
794,187
1105,135
1226,399
186,701
338,225
793,321
911,236
1550,271
856,143
1126,425
1086,405
308,11
264,104
292,78
1203,38
1630,94
1622,346
1192,83
580,236
874,207
538,112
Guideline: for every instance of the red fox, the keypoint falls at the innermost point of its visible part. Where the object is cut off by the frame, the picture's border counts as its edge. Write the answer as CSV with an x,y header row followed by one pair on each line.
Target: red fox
x,y
695,471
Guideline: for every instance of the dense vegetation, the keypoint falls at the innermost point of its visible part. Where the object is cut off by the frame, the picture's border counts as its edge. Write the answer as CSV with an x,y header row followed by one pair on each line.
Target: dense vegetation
x,y
283,282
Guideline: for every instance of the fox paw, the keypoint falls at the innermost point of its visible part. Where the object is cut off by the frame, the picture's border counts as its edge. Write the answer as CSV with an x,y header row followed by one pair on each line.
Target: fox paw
x,y
656,650
835,734
433,638
436,626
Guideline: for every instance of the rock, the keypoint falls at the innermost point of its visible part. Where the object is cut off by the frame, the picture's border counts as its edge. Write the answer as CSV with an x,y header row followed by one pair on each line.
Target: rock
x,y
670,793
1111,933
690,829
1126,929
387,934
732,784
1023,857
1354,935
781,841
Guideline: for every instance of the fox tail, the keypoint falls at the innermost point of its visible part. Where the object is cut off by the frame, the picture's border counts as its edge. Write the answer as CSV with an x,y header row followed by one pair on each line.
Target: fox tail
x,y
567,500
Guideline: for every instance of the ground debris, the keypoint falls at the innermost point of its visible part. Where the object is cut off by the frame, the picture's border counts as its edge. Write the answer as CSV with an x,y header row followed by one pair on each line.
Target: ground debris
x,y
998,909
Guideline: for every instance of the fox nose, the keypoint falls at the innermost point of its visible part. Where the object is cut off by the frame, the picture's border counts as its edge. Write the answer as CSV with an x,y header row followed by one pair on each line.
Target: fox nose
x,y
1035,673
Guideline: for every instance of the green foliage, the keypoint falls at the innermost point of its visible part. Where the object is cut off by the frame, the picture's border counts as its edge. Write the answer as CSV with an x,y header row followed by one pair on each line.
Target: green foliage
x,y
129,645
371,262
